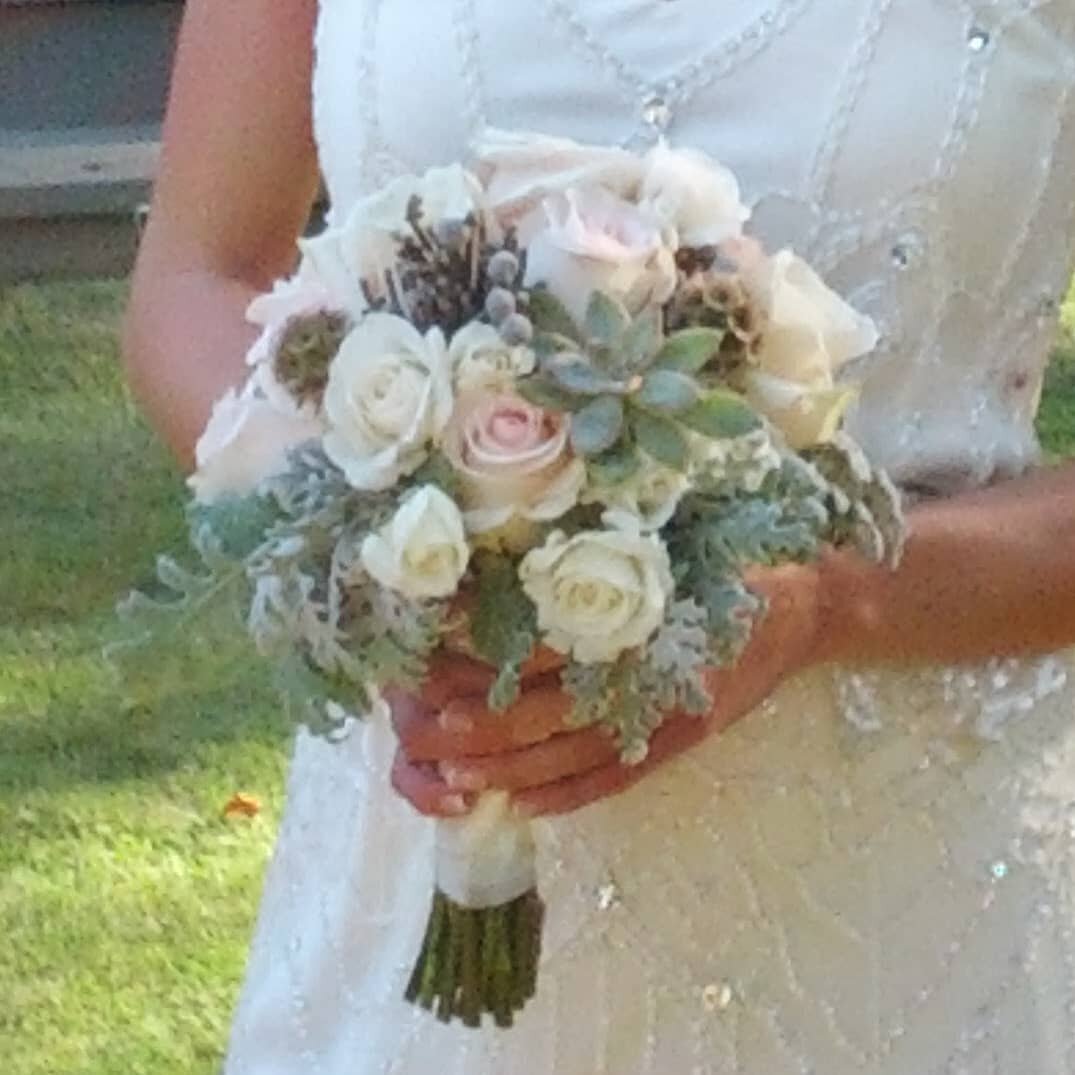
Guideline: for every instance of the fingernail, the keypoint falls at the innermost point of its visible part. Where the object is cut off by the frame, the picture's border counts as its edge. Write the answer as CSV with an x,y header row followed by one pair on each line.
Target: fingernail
x,y
455,804
451,720
463,779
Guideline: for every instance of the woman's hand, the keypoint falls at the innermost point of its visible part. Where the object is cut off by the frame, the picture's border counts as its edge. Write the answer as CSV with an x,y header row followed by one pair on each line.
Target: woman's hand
x,y
452,747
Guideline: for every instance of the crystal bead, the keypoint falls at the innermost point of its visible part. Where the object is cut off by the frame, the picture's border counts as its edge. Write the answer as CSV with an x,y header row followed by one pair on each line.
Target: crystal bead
x,y
999,870
978,39
657,112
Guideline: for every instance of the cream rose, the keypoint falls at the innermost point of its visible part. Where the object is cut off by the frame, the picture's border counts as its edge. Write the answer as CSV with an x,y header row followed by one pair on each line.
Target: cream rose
x,y
365,246
804,415
481,359
691,192
521,169
598,593
246,441
650,496
595,241
514,461
389,396
810,334
422,552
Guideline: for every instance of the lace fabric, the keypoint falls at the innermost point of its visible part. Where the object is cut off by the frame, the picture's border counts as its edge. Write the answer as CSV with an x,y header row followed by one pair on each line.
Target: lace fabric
x,y
874,872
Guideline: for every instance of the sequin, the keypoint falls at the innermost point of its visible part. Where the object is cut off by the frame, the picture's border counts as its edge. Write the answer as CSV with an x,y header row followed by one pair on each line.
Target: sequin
x,y
978,39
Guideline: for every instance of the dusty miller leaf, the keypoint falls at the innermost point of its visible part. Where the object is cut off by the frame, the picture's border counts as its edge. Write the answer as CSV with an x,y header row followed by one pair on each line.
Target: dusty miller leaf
x,y
503,625
633,696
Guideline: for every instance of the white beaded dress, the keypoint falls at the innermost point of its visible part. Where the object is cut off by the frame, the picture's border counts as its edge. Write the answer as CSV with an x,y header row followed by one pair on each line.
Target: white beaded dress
x,y
875,872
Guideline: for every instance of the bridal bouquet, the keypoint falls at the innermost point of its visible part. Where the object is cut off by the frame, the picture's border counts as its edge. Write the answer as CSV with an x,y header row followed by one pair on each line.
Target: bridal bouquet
x,y
563,392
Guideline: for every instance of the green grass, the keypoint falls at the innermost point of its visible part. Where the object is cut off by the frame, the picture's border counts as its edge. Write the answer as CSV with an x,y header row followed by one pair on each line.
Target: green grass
x,y
126,901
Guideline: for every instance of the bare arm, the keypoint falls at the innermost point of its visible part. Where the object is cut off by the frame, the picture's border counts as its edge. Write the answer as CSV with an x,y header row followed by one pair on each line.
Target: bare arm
x,y
238,174
988,573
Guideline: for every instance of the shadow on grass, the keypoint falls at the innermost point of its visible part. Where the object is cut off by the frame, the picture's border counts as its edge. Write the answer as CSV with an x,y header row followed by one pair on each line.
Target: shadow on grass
x,y
68,716
88,499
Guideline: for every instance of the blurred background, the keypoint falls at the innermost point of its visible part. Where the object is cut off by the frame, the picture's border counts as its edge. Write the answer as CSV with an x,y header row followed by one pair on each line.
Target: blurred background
x,y
135,825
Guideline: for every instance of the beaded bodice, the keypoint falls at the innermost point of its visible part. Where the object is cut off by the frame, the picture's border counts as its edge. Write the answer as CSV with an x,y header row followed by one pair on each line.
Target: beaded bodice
x,y
886,893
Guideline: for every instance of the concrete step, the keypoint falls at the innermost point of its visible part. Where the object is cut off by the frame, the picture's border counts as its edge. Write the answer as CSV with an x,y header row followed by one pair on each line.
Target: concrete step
x,y
82,91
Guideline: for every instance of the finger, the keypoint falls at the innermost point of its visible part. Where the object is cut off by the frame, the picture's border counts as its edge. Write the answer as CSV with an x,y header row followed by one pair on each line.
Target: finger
x,y
453,675
542,663
555,759
466,727
573,793
423,788
472,729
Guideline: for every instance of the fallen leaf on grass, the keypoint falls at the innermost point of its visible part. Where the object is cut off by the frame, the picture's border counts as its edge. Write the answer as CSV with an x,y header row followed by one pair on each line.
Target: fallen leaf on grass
x,y
240,805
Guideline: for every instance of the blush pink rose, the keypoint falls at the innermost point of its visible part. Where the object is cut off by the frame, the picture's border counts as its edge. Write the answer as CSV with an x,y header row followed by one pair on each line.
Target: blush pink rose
x,y
514,460
595,241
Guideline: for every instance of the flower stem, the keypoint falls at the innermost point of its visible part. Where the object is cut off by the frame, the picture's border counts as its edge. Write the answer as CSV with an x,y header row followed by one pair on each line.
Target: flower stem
x,y
478,962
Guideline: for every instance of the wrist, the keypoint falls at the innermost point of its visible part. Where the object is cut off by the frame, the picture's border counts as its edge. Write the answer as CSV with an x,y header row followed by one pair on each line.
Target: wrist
x,y
848,605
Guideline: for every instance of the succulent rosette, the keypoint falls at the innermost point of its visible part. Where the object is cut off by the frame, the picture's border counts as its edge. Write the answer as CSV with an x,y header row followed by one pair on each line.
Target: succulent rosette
x,y
564,390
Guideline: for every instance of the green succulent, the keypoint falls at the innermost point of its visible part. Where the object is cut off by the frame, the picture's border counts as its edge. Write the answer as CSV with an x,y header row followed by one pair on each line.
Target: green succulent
x,y
628,386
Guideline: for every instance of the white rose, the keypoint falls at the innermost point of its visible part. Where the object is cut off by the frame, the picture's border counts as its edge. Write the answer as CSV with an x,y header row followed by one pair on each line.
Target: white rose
x,y
514,460
810,334
692,193
651,495
246,441
302,295
805,415
389,395
365,246
521,169
598,593
482,360
595,241
422,552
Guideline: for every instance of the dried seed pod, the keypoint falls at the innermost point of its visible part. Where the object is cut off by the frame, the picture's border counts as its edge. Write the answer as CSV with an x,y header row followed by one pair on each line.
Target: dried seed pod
x,y
503,269
307,348
500,304
517,330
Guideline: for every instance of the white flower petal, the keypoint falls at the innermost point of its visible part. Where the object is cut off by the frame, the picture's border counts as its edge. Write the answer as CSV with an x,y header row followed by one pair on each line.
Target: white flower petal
x,y
422,552
694,194
599,592
246,441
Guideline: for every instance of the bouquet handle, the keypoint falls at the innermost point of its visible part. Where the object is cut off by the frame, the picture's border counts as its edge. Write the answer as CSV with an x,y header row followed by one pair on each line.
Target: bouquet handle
x,y
482,944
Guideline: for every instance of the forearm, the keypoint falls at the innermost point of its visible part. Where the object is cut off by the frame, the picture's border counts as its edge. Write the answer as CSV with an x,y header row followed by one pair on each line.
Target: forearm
x,y
185,344
988,573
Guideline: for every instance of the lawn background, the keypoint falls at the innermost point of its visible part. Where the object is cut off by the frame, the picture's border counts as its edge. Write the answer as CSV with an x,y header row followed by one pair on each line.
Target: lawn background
x,y
126,897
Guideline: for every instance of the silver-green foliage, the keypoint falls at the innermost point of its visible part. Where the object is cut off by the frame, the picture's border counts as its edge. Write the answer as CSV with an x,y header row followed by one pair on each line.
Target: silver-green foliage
x,y
633,696
286,562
